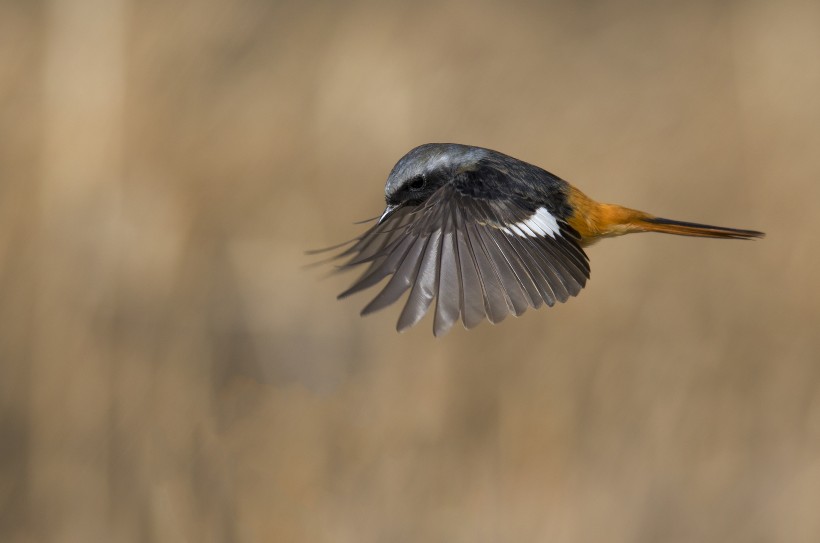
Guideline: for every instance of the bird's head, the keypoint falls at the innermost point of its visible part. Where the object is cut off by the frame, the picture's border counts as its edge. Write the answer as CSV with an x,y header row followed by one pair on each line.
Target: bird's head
x,y
425,169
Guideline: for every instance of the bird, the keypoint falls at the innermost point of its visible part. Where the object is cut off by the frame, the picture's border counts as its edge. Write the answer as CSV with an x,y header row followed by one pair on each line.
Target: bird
x,y
486,235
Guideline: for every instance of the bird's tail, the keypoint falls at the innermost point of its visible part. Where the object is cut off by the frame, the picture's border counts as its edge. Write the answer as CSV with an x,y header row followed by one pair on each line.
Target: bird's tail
x,y
594,221
681,228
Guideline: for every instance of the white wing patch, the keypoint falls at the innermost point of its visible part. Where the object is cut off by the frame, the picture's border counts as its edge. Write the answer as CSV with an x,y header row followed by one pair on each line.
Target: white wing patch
x,y
541,223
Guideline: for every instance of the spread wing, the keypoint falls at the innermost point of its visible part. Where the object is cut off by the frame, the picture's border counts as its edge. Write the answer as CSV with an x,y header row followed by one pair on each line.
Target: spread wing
x,y
476,257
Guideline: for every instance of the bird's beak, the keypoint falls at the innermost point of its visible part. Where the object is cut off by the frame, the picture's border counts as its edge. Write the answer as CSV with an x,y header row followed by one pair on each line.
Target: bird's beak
x,y
387,212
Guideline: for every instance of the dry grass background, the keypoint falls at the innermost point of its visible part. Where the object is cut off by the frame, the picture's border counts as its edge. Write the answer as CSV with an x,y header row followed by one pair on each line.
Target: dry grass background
x,y
170,372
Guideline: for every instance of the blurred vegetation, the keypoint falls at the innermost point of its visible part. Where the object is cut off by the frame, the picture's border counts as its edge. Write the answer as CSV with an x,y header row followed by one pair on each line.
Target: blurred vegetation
x,y
169,371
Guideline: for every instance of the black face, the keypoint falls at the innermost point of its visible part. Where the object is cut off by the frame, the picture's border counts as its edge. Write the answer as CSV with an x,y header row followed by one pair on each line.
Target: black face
x,y
415,190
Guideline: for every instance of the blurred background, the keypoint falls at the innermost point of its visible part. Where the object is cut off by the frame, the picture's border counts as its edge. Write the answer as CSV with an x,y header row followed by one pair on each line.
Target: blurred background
x,y
170,371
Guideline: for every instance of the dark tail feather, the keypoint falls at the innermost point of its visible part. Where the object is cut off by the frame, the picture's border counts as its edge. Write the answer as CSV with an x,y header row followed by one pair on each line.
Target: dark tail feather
x,y
680,228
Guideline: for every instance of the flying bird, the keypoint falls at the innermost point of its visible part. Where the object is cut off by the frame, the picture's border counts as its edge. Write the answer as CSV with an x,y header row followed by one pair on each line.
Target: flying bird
x,y
487,235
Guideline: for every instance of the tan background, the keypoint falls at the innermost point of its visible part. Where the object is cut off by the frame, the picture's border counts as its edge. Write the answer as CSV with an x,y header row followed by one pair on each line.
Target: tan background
x,y
170,372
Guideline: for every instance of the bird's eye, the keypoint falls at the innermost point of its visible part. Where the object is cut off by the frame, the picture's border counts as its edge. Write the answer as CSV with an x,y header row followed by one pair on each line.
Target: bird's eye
x,y
417,183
